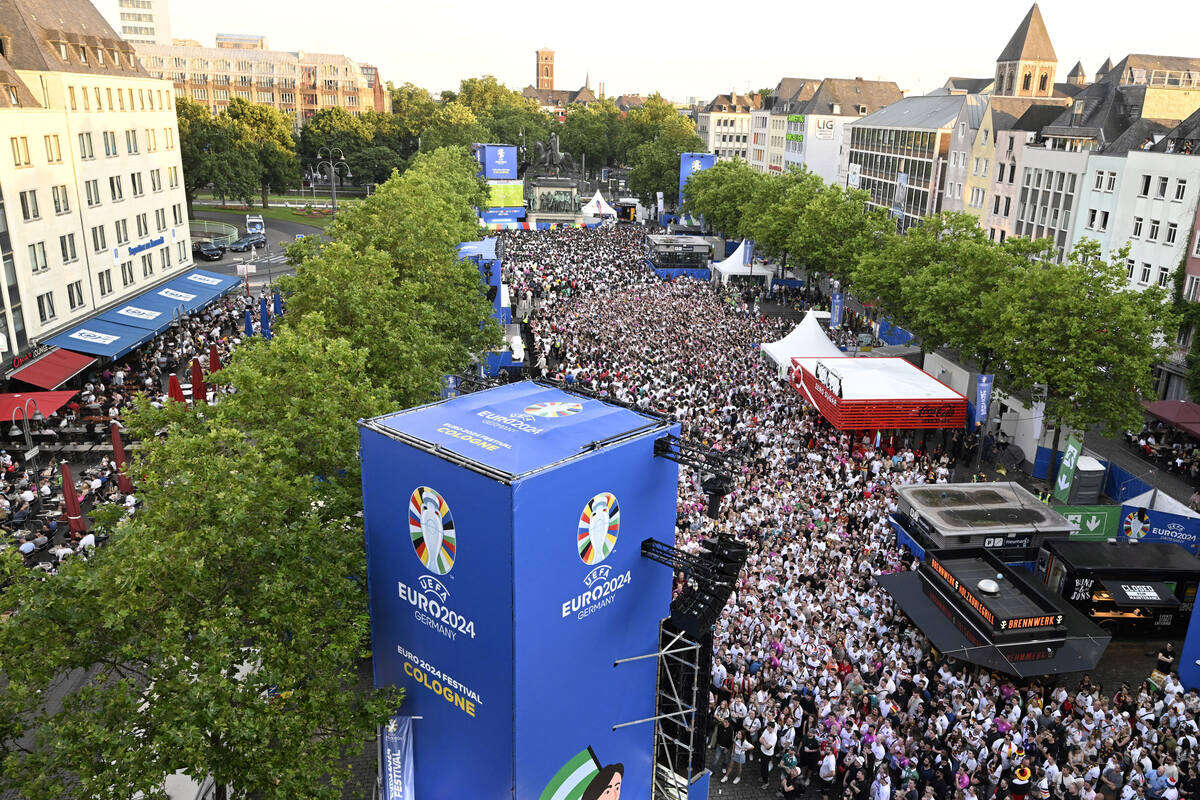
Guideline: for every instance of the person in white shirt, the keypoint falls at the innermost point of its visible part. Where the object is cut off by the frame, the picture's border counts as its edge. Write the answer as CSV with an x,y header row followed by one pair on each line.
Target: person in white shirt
x,y
766,746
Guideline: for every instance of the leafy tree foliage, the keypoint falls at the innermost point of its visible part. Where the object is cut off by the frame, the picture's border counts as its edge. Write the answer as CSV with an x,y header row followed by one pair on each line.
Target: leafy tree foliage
x,y
268,134
213,154
722,193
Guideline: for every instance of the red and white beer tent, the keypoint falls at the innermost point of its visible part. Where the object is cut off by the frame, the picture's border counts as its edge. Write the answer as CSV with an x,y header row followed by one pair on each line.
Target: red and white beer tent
x,y
859,394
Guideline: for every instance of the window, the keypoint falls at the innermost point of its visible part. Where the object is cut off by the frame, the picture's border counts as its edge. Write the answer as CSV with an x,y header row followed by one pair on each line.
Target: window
x,y
147,265
1189,291
160,219
29,205
164,256
1172,232
1091,218
1196,248
110,143
151,140
126,273
1163,275
1145,192
105,281
143,226
996,205
1180,189
1103,219
45,304
131,142
85,147
1145,273
92,188
20,151
37,257
177,213
121,227
1007,207
156,180
75,294
99,239
1137,228
135,184
114,188
1099,186
1042,82
1026,82
62,201
1162,188
181,247
173,177
1111,183
53,148
1154,225
66,243
1129,262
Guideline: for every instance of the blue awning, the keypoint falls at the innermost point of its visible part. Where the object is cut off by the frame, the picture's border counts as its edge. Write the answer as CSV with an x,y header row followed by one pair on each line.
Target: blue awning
x,y
99,337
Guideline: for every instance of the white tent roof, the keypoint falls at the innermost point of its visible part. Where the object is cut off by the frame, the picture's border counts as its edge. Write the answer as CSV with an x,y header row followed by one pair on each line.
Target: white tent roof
x,y
806,340
734,266
1160,501
881,379
597,207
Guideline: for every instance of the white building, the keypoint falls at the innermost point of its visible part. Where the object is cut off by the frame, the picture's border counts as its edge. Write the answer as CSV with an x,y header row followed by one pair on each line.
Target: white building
x,y
815,133
724,125
139,21
92,206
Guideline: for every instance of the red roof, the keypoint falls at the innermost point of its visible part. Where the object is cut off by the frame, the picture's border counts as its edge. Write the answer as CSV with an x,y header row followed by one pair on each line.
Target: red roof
x,y
47,403
54,368
1181,414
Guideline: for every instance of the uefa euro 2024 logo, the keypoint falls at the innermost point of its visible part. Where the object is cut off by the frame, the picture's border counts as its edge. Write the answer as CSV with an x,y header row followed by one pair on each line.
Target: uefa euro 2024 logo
x,y
599,525
554,408
431,526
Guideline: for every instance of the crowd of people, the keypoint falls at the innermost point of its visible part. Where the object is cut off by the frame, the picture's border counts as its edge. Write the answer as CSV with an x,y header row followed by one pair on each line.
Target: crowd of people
x,y
818,680
32,506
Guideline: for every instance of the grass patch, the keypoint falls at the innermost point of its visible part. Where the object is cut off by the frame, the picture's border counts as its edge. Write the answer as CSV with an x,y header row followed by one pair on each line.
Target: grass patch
x,y
283,214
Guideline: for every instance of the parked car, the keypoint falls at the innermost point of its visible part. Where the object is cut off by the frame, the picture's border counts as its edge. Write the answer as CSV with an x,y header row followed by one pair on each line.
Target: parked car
x,y
208,251
243,245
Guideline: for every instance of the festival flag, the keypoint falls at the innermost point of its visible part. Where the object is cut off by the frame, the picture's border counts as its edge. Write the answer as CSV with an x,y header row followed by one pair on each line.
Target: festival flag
x,y
570,782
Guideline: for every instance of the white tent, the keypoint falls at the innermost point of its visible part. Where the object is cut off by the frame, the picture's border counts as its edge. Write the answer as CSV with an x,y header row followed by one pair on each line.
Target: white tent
x,y
807,340
734,265
597,207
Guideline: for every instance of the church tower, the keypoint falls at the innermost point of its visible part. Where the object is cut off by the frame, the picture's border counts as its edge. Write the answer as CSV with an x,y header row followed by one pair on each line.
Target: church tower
x,y
1027,66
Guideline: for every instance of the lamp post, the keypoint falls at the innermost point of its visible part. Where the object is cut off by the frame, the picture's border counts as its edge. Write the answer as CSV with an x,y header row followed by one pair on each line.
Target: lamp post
x,y
329,165
17,431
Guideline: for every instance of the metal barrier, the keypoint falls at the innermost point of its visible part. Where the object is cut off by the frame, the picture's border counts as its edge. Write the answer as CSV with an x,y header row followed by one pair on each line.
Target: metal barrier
x,y
219,233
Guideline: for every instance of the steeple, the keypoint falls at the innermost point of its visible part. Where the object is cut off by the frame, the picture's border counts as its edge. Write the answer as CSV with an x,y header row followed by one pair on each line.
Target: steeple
x,y
587,80
1077,77
1027,65
1105,68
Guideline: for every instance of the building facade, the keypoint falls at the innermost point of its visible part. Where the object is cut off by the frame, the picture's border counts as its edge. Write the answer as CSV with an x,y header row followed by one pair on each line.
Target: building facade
x,y
898,155
816,127
299,84
139,21
545,70
962,141
724,125
92,205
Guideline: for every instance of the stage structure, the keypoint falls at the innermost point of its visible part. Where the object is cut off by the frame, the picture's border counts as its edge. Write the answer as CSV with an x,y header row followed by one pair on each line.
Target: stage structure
x,y
860,394
512,597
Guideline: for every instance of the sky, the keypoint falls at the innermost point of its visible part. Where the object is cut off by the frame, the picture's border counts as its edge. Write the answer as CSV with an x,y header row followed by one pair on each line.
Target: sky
x,y
691,49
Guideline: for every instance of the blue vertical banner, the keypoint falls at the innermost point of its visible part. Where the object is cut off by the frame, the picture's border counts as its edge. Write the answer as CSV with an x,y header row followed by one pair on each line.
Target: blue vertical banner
x,y
691,163
983,397
837,304
397,759
748,254
901,195
498,162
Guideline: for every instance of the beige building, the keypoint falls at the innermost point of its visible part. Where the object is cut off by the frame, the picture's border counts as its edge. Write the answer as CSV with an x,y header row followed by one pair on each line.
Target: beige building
x,y
299,83
92,206
724,124
138,21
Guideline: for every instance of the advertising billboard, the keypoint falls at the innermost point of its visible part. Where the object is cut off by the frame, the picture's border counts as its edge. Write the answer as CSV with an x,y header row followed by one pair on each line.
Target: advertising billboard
x,y
506,194
504,534
498,162
690,163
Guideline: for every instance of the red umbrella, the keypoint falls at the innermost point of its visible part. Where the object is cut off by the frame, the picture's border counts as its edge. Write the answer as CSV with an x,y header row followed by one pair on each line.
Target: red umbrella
x,y
71,500
214,360
198,394
123,482
174,390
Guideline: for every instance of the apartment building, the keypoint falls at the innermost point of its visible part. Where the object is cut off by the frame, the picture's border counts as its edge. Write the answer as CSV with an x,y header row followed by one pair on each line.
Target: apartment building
x,y
724,124
92,206
769,123
816,125
298,83
139,21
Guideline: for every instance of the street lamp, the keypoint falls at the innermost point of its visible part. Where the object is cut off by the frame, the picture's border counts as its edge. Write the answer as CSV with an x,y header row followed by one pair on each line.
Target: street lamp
x,y
329,166
16,431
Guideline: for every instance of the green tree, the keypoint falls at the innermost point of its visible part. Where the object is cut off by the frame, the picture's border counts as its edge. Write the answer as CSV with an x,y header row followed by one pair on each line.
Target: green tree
x,y
413,108
655,119
333,127
212,155
485,93
454,124
771,213
654,166
592,131
720,194
268,133
835,228
1092,342
374,164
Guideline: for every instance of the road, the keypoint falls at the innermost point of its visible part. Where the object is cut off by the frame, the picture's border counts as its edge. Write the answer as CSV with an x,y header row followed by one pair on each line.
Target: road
x,y
270,261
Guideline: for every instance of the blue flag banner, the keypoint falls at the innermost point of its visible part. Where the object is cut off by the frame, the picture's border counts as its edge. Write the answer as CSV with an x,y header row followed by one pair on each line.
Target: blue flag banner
x,y
690,163
983,397
837,303
749,253
397,759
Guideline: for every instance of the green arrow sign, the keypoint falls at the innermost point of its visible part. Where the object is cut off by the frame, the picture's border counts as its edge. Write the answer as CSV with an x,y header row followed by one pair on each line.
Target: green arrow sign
x,y
1092,523
1066,470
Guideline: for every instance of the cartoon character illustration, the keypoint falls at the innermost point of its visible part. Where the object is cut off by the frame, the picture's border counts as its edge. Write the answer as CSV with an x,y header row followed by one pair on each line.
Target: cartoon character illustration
x,y
431,526
582,778
598,527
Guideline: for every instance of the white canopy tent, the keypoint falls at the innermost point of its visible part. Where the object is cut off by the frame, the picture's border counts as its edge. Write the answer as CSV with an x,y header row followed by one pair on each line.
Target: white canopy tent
x,y
734,265
598,207
807,340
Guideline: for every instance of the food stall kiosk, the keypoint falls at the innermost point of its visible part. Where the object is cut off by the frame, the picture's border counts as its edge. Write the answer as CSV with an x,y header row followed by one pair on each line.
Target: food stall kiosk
x,y
1126,587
